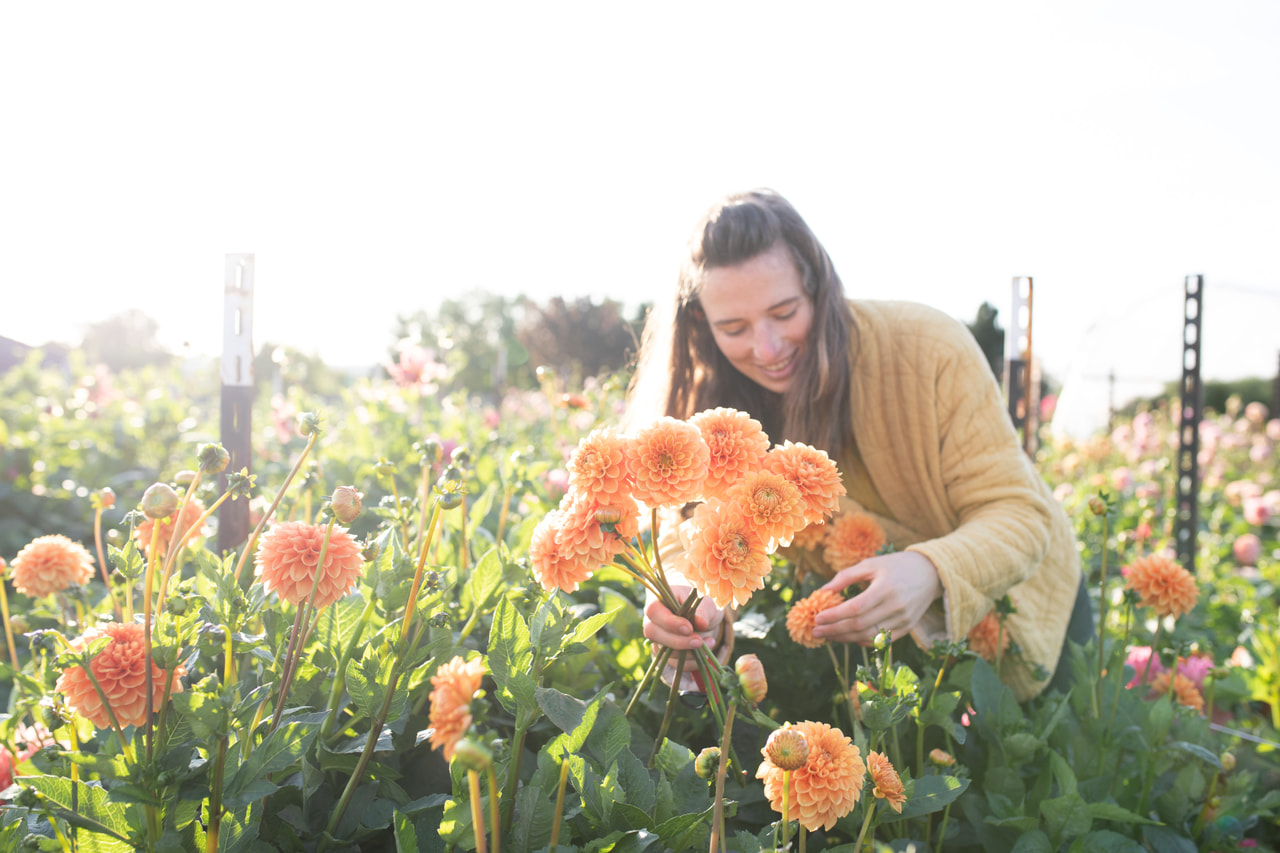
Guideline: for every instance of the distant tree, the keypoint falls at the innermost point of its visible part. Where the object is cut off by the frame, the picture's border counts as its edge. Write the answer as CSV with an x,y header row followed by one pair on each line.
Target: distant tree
x,y
580,338
475,336
125,340
990,337
283,366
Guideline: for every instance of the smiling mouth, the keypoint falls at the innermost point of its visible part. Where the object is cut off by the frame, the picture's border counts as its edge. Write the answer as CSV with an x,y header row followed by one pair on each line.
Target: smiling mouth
x,y
779,366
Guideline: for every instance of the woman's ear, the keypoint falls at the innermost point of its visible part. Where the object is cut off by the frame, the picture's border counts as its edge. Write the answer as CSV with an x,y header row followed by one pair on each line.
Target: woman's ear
x,y
696,310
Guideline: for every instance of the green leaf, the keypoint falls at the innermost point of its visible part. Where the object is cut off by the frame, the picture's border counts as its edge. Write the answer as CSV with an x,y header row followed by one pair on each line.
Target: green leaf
x,y
1198,751
572,717
1112,811
1066,817
1106,841
930,794
484,581
1166,840
1158,721
278,751
1062,772
510,659
367,682
589,627
678,832
1033,841
405,834
94,811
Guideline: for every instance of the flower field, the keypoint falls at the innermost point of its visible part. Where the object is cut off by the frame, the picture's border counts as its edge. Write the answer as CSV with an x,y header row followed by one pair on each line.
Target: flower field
x,y
434,641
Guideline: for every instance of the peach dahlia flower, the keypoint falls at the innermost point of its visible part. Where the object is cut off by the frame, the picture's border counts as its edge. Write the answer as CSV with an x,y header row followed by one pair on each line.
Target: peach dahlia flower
x,y
454,685
119,670
1162,585
987,639
289,553
801,616
184,518
737,443
829,784
726,558
850,539
885,782
813,472
773,503
553,566
1184,690
668,461
598,467
50,564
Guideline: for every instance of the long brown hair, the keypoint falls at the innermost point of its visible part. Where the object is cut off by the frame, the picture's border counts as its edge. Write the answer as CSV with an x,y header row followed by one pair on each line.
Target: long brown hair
x,y
681,370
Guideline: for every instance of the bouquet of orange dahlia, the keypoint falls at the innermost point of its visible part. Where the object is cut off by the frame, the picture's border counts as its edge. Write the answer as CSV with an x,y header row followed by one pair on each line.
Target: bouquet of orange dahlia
x,y
749,499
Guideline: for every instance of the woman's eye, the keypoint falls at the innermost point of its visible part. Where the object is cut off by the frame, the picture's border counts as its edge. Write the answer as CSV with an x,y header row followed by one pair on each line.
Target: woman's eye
x,y
732,333
786,316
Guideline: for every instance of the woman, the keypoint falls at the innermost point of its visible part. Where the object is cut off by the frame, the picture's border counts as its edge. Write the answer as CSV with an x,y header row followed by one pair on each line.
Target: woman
x,y
902,398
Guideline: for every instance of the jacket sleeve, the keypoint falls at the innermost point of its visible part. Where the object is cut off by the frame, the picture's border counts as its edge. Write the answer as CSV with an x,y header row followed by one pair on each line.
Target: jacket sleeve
x,y
994,497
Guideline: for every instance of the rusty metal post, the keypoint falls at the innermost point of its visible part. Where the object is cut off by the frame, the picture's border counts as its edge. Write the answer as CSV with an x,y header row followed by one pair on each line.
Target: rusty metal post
x,y
1021,381
237,392
1187,520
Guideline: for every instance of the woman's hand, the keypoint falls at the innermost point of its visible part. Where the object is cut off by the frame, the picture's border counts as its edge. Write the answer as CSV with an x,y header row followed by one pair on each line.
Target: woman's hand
x,y
664,628
900,588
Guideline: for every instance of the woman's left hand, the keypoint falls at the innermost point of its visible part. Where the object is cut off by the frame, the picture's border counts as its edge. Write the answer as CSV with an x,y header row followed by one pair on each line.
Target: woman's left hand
x,y
900,588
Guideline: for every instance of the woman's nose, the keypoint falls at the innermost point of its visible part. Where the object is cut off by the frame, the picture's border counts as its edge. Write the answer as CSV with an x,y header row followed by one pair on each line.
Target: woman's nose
x,y
767,343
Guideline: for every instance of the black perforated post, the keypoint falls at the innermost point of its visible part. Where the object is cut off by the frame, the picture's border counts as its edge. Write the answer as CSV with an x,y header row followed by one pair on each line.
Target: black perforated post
x,y
1188,518
1021,379
237,392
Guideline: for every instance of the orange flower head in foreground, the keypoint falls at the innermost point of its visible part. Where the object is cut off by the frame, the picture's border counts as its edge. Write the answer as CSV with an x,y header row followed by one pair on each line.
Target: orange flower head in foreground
x,y
1162,585
119,670
986,638
801,616
588,533
773,504
1184,690
454,685
885,783
185,517
813,473
50,564
553,567
668,462
811,537
288,556
850,539
737,443
598,467
726,558
829,784
786,748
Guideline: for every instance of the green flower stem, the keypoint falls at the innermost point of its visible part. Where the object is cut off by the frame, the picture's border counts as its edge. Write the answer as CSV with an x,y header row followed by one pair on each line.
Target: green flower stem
x,y
942,827
410,607
477,811
1102,617
303,620
340,673
1115,702
215,799
844,683
175,548
400,516
494,821
655,663
1155,651
262,524
125,749
102,564
1150,776
559,814
672,697
502,516
786,806
149,626
8,629
866,822
522,723
717,820
464,555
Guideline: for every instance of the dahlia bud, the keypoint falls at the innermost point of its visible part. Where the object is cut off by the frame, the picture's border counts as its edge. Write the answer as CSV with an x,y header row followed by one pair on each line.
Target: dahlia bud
x,y
346,503
942,758
751,678
104,499
159,501
1228,760
17,622
308,423
461,456
185,477
431,451
1097,505
177,605
214,458
608,515
707,764
882,640
787,749
473,754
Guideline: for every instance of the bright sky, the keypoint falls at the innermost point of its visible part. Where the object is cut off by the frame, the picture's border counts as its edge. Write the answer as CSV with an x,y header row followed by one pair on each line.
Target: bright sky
x,y
380,157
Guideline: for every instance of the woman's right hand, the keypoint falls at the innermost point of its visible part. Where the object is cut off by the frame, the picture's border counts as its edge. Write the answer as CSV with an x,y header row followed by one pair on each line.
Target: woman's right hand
x,y
664,628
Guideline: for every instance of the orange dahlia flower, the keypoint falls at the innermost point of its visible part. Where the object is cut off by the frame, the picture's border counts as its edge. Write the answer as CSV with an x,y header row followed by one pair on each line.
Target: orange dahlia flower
x,y
454,685
1184,690
119,670
289,553
885,782
184,519
588,531
668,462
801,616
811,537
726,559
598,467
49,564
1162,585
553,567
737,443
850,539
773,504
987,639
829,784
813,472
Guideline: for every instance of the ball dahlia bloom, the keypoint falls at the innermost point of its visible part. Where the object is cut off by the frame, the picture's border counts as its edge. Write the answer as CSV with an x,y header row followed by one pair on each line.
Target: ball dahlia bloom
x,y
1162,585
49,564
184,519
1184,689
737,444
120,671
598,467
813,472
726,559
885,782
1247,549
850,539
987,639
454,685
829,784
802,615
773,504
668,461
810,538
289,554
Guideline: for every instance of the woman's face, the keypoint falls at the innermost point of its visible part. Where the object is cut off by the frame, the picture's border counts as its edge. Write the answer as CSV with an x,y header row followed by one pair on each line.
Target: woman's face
x,y
759,316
